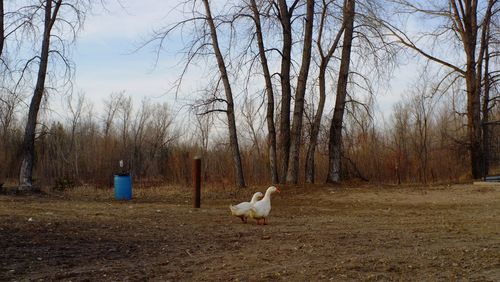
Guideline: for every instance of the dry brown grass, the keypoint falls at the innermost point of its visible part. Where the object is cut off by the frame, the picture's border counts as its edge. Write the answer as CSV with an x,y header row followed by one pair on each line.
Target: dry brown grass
x,y
346,233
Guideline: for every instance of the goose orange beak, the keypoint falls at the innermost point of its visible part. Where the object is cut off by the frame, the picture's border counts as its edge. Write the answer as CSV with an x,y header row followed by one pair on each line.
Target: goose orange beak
x,y
278,190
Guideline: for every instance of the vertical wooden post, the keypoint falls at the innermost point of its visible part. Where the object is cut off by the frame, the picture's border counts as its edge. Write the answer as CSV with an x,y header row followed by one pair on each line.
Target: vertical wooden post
x,y
197,182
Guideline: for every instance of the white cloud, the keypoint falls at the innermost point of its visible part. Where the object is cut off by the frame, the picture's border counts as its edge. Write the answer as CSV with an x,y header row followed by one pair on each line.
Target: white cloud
x,y
104,59
128,19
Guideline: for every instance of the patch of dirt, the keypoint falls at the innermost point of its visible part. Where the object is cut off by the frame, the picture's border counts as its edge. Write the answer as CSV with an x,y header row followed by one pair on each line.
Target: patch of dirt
x,y
315,233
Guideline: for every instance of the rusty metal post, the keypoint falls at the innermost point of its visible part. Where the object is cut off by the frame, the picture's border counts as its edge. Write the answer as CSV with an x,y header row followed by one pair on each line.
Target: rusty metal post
x,y
197,182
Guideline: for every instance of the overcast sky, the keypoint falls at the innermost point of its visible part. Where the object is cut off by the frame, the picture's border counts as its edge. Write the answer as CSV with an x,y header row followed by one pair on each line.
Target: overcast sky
x,y
104,54
106,62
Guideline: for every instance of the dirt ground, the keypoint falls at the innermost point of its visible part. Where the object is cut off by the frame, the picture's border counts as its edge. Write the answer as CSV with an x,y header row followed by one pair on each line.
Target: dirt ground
x,y
315,233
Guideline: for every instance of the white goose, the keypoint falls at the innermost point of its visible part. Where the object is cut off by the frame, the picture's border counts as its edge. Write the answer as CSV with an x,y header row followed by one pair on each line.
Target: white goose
x,y
242,210
262,208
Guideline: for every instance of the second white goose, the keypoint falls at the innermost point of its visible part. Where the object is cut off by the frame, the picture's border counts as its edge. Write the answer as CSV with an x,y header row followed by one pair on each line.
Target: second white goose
x,y
242,210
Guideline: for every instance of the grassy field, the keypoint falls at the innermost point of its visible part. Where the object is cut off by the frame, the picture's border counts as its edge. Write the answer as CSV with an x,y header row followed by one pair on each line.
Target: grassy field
x,y
315,233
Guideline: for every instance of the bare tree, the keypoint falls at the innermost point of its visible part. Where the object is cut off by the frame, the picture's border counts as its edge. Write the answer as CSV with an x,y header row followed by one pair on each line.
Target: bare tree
x,y
124,115
2,30
485,107
203,125
8,105
112,106
400,136
421,107
491,97
142,118
325,58
250,117
285,15
271,128
160,131
462,21
158,137
233,136
76,110
28,151
335,141
298,112
205,44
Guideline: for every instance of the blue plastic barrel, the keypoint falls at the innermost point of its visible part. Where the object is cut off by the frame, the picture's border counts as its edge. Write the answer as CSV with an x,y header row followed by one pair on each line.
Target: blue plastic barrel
x,y
123,187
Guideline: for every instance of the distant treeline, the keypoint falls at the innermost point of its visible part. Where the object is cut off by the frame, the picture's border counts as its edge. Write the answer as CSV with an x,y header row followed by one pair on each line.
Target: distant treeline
x,y
414,146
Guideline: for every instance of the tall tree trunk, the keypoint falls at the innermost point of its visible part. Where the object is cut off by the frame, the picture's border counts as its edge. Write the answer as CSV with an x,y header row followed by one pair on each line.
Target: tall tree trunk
x,y
335,142
485,108
298,112
28,149
484,57
469,38
474,125
315,127
286,50
271,139
231,120
473,113
485,123
2,29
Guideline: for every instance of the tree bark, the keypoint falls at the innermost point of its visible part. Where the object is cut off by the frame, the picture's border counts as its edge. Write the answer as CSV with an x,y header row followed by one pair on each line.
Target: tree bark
x,y
271,128
469,33
484,57
285,15
474,122
335,142
233,137
28,149
485,106
2,29
298,112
